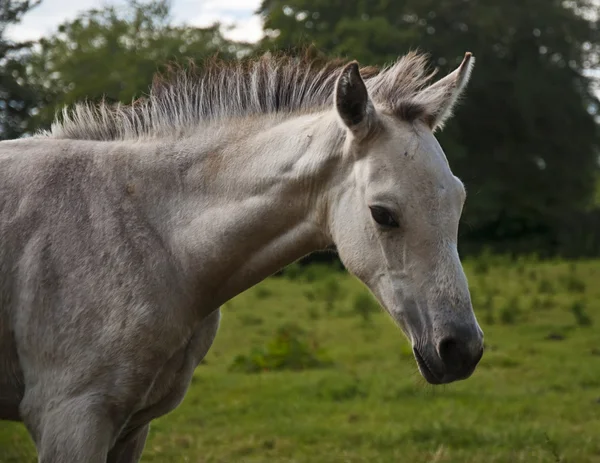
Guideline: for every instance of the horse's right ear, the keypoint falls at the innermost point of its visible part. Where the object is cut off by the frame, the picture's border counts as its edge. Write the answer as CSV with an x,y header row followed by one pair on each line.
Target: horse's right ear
x,y
352,101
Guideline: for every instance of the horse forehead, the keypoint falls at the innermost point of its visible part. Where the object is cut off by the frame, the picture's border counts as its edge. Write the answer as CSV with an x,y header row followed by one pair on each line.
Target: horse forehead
x,y
423,166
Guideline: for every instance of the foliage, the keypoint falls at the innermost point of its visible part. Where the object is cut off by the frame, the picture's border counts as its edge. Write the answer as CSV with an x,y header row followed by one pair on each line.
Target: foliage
x,y
18,98
524,141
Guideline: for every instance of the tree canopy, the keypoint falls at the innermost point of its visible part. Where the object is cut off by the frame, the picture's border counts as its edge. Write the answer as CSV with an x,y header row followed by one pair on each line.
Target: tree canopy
x,y
17,97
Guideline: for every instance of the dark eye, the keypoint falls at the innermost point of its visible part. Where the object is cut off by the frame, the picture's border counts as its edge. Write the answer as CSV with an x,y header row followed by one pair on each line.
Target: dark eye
x,y
383,217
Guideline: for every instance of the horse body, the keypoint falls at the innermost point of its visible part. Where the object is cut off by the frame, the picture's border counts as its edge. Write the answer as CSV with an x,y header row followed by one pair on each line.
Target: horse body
x,y
106,271
77,248
122,233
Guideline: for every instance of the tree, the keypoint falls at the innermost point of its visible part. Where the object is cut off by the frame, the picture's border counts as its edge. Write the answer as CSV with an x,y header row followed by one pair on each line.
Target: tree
x,y
17,99
525,140
113,53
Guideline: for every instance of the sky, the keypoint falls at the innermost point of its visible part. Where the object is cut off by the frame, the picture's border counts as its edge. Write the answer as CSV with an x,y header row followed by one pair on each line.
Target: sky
x,y
45,19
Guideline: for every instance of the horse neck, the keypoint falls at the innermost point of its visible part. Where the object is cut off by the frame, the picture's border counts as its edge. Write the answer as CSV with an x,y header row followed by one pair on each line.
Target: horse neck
x,y
256,204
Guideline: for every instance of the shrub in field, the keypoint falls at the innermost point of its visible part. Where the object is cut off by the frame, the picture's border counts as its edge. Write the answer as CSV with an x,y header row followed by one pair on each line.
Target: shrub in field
x,y
580,314
290,349
365,305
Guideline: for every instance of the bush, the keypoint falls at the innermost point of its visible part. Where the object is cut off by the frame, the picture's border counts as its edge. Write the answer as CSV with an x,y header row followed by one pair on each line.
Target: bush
x,y
290,349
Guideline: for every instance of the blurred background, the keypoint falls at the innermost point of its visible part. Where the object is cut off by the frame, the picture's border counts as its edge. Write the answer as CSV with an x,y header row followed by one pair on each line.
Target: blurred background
x,y
306,367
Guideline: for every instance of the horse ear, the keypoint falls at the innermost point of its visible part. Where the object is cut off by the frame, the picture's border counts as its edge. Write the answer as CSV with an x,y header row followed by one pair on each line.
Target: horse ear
x,y
352,101
440,98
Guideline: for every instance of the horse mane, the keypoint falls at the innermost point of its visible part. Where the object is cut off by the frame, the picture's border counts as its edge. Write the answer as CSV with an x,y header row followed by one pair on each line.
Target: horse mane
x,y
184,98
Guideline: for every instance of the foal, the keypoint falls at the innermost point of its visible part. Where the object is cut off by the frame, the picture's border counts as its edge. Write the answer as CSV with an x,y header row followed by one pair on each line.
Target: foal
x,y
124,229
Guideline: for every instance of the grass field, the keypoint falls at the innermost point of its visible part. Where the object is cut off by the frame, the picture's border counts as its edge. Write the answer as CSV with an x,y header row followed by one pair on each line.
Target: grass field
x,y
306,369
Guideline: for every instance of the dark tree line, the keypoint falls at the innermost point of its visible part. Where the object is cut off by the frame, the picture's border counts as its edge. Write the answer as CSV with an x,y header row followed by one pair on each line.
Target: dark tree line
x,y
525,139
17,98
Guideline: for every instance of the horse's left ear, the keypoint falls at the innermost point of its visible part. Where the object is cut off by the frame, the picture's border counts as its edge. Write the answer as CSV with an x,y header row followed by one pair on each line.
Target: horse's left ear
x,y
440,98
352,101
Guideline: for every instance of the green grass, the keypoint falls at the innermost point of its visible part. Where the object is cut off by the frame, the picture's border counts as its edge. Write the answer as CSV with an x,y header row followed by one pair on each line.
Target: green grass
x,y
534,398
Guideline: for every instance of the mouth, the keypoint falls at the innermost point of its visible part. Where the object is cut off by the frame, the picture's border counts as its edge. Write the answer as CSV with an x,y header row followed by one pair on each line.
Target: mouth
x,y
425,370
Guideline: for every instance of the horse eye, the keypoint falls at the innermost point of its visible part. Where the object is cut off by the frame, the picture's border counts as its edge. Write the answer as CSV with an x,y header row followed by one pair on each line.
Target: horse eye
x,y
383,217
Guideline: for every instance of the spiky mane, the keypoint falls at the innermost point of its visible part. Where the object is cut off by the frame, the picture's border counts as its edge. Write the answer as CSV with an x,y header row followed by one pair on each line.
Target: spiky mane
x,y
184,98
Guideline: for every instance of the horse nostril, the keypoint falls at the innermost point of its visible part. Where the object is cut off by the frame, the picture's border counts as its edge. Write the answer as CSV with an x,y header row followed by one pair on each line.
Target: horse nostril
x,y
452,353
456,356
